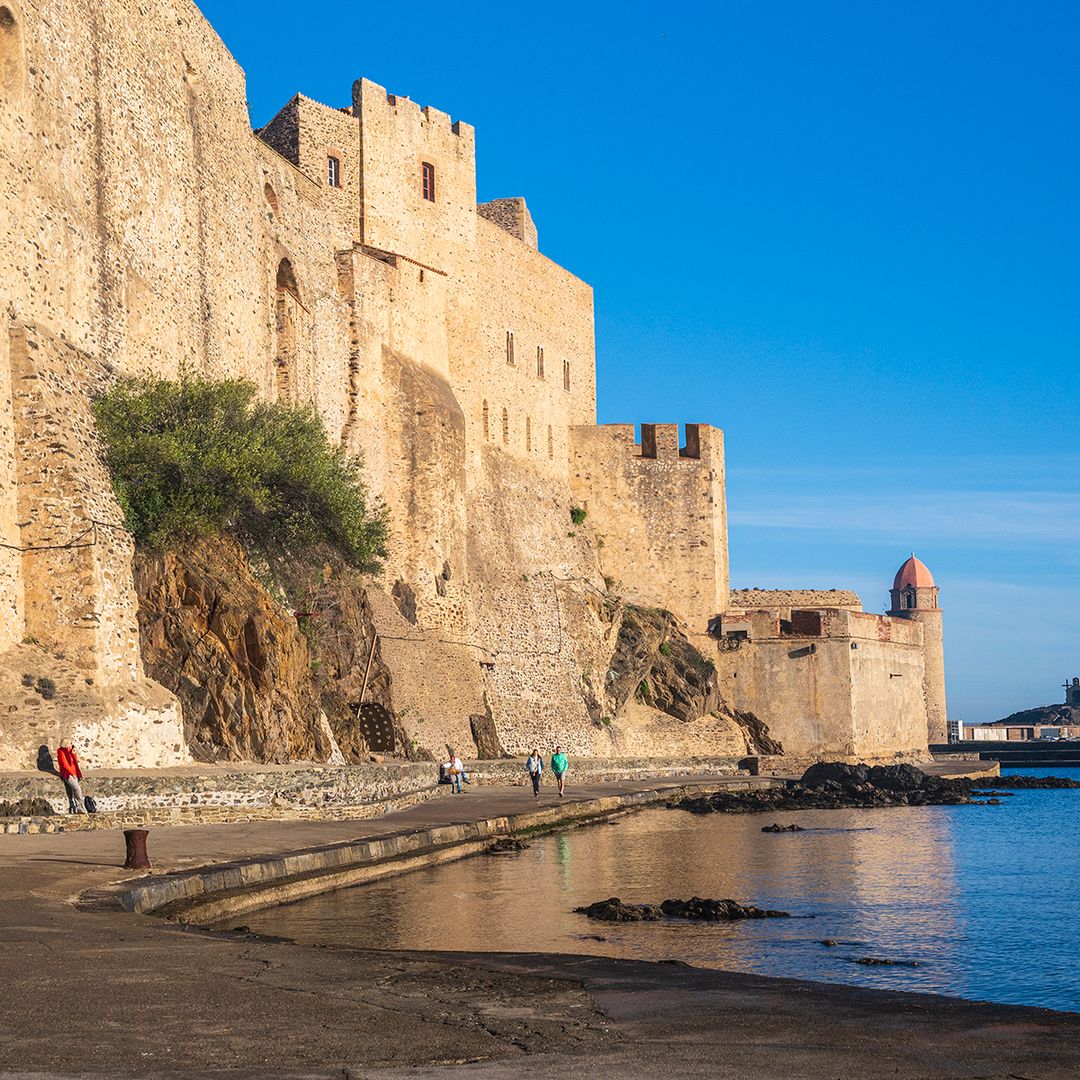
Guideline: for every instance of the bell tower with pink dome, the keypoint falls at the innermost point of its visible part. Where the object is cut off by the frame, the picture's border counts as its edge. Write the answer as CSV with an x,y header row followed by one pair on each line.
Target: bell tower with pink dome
x,y
915,596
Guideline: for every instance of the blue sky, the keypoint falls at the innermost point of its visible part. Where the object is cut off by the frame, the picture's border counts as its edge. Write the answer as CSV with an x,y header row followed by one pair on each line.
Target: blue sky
x,y
846,233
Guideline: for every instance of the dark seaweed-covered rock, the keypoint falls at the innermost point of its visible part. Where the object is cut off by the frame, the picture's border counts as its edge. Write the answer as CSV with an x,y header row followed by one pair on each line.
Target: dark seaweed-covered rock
x,y
508,843
897,777
1022,783
716,910
614,910
876,961
834,785
835,772
782,828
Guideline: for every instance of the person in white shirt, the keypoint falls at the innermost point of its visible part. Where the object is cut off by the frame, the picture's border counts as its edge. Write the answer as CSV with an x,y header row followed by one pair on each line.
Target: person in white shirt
x,y
455,769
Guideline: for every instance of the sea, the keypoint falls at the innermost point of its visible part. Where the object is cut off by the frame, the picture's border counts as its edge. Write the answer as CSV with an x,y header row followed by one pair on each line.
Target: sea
x,y
979,902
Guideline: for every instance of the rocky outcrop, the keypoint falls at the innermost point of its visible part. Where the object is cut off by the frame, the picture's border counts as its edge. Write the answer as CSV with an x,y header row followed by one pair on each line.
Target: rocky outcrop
x,y
654,664
696,908
256,681
717,910
486,737
833,785
614,910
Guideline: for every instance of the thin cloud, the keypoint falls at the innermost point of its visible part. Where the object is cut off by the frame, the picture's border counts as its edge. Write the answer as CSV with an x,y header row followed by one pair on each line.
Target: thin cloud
x,y
977,518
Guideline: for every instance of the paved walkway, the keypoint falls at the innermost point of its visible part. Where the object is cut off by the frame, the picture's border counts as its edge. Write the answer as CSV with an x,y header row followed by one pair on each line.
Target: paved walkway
x,y
83,859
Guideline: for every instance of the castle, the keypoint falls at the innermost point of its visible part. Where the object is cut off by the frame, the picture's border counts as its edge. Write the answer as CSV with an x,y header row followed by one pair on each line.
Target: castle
x,y
338,256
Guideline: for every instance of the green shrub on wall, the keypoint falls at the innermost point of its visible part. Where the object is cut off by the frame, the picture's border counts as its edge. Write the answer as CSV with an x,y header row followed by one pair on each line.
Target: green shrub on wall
x,y
197,457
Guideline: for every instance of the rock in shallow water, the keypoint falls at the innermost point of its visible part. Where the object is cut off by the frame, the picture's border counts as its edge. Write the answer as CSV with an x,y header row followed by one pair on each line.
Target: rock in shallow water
x,y
713,910
508,843
834,785
782,828
614,910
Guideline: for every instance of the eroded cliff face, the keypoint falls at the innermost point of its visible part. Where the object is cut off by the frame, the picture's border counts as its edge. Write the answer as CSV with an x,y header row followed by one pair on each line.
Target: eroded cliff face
x,y
661,693
254,682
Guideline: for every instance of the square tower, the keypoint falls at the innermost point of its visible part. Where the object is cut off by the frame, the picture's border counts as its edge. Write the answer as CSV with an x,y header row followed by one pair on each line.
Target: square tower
x,y
661,511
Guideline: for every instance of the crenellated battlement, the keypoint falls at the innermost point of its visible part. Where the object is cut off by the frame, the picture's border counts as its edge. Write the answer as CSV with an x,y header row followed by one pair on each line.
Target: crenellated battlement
x,y
367,93
662,442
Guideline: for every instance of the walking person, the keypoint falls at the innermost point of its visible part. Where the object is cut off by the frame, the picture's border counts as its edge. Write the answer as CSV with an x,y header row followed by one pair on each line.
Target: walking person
x,y
559,765
68,763
535,768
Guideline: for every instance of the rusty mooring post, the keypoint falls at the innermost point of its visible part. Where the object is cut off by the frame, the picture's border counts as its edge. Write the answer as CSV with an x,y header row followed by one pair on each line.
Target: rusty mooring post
x,y
137,859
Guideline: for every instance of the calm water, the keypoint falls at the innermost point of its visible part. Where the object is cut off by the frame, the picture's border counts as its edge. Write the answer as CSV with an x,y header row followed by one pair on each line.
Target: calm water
x,y
986,900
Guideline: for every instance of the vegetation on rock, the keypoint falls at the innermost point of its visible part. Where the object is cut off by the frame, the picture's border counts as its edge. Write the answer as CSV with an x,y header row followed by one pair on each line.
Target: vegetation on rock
x,y
195,457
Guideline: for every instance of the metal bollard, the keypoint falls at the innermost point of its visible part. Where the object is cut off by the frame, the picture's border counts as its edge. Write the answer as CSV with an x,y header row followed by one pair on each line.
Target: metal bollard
x,y
137,859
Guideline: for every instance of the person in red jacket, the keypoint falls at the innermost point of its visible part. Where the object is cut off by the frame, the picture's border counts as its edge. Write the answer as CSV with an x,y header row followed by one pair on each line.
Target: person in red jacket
x,y
68,762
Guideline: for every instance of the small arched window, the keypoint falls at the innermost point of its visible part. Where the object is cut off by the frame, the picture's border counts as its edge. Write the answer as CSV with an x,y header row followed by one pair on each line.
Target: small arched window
x,y
528,434
271,199
427,180
509,346
540,361
566,375
485,415
506,428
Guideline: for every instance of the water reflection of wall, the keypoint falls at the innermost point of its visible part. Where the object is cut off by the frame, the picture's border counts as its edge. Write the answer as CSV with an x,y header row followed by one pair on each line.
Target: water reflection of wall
x,y
883,879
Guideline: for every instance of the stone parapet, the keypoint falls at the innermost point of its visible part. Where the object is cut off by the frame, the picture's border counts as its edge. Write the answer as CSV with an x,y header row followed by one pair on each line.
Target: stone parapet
x,y
291,793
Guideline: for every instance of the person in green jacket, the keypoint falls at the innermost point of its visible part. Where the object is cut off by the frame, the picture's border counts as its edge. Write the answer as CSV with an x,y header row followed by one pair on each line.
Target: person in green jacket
x,y
559,765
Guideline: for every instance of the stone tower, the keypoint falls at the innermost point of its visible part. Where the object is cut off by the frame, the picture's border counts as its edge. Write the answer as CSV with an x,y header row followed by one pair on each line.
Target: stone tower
x,y
915,596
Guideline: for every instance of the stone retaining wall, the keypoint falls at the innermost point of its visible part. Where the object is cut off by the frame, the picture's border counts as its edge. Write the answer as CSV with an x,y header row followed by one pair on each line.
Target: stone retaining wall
x,y
335,793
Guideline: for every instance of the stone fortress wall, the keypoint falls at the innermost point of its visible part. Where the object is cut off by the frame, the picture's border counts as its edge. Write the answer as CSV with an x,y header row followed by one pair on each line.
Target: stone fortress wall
x,y
828,681
148,229
660,511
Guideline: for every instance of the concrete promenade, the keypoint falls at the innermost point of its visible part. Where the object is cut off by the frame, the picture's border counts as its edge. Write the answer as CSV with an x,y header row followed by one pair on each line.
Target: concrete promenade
x,y
106,992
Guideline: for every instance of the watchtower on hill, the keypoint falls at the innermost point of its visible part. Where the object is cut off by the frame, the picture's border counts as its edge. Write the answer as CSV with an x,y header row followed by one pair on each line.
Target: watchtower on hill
x,y
1072,692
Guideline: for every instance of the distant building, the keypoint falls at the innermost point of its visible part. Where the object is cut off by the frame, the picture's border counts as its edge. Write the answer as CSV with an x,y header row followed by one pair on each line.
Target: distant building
x,y
1072,692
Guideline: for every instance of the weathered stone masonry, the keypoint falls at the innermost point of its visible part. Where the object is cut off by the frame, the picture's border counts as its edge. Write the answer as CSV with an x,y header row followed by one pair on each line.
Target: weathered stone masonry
x,y
337,256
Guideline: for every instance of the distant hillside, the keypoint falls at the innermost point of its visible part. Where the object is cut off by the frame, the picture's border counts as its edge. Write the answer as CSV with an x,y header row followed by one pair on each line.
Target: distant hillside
x,y
1047,715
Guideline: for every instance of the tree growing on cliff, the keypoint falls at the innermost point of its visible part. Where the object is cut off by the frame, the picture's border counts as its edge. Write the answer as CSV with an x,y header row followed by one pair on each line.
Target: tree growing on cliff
x,y
197,457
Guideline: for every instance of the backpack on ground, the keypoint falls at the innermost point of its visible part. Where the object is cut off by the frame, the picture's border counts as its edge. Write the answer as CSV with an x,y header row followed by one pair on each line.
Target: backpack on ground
x,y
90,804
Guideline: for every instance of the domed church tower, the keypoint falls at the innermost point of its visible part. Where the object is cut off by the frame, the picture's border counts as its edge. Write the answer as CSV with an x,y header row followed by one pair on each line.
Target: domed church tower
x,y
915,596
